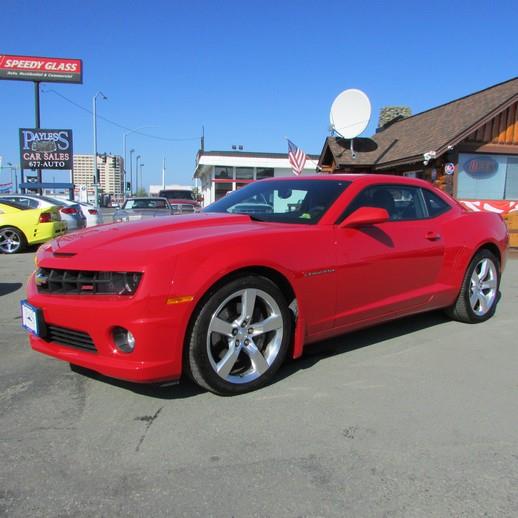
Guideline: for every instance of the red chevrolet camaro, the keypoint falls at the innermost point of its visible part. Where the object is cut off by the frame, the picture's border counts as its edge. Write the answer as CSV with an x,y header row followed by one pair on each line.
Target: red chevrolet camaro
x,y
227,294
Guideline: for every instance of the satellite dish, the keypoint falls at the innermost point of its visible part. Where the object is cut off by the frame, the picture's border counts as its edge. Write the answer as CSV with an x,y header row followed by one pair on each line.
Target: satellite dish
x,y
350,113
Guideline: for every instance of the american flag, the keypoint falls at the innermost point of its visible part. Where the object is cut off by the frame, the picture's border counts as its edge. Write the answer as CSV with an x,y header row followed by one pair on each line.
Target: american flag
x,y
297,158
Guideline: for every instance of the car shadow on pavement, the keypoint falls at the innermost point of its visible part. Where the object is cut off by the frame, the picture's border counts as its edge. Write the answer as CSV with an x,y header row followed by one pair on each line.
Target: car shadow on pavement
x,y
183,389
314,353
9,287
348,342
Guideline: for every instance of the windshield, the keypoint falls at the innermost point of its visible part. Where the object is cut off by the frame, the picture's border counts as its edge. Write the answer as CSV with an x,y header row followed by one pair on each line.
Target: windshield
x,y
177,195
152,203
283,201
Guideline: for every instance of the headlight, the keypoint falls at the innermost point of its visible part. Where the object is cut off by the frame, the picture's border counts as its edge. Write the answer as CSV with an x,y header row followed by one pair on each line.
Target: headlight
x,y
123,283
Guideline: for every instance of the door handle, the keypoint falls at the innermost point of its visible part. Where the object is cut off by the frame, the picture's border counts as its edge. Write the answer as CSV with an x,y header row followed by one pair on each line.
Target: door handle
x,y
432,236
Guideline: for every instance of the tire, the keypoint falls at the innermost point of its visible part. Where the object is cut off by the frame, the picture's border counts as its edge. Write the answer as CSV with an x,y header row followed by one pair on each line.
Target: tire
x,y
12,240
240,336
479,293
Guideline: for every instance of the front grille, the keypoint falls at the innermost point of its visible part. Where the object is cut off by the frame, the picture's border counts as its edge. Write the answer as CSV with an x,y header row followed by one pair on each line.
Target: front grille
x,y
182,208
69,337
54,281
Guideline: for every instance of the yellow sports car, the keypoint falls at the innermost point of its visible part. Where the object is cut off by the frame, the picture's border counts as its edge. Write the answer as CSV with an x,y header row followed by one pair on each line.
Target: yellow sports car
x,y
21,227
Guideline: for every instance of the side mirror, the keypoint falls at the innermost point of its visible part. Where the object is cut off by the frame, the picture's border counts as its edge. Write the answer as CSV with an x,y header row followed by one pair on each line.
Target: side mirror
x,y
365,216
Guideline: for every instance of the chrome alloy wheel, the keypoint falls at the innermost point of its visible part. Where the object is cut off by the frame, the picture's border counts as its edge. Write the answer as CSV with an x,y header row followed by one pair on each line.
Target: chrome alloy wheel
x,y
483,287
245,335
10,241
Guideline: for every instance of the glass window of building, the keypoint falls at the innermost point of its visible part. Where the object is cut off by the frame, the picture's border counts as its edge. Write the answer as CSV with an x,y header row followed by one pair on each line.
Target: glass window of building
x,y
481,177
511,180
244,173
221,189
264,172
223,173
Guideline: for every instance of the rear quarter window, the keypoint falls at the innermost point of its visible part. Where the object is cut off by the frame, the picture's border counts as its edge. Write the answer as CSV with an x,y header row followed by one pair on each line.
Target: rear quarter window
x,y
435,204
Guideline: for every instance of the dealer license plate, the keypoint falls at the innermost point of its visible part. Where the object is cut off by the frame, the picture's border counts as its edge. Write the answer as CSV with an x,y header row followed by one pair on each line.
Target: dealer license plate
x,y
30,318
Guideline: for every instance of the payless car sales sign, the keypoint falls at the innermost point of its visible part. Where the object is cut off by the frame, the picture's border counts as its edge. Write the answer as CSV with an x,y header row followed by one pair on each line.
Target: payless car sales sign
x,y
46,149
48,70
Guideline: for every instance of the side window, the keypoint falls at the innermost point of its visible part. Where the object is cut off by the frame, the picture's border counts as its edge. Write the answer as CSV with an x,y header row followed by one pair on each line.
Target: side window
x,y
27,202
402,202
22,201
434,203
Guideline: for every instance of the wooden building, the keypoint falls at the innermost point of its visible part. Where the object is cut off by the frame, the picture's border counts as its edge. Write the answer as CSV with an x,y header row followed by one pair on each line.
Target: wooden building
x,y
467,147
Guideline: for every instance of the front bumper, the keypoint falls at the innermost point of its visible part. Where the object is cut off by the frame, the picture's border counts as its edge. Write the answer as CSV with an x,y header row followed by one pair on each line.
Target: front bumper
x,y
158,329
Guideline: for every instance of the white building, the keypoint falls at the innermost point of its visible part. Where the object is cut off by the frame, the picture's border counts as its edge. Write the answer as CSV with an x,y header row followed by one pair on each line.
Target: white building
x,y
219,172
110,170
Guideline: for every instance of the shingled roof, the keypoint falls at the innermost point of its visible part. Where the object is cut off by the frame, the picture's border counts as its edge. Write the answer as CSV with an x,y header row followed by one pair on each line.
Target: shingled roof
x,y
436,129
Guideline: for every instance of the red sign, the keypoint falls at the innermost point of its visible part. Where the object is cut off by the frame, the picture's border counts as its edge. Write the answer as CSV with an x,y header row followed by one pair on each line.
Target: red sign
x,y
48,70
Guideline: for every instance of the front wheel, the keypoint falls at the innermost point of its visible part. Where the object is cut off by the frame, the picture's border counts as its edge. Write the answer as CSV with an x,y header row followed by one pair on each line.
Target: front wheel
x,y
240,336
12,240
479,293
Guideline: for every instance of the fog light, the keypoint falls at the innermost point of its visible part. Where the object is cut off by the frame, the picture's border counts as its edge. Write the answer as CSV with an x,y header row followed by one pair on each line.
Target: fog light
x,y
124,340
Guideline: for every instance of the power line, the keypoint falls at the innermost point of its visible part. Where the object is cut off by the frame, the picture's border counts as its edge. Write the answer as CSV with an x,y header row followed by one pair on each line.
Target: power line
x,y
185,139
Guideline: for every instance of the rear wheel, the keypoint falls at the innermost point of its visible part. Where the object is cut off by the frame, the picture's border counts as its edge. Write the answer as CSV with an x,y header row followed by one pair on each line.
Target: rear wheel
x,y
240,336
12,240
479,293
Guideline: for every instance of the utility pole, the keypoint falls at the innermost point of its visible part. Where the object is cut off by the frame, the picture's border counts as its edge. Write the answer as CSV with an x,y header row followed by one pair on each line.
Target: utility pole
x,y
131,172
95,170
37,124
136,173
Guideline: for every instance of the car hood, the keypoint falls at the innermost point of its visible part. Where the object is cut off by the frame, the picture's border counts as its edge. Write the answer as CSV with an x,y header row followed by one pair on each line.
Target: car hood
x,y
133,242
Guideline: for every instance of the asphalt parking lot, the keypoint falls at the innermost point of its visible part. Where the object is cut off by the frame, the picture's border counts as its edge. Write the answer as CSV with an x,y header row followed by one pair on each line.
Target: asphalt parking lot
x,y
414,418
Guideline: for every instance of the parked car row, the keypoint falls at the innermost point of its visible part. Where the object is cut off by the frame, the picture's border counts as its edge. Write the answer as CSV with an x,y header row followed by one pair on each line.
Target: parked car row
x,y
22,226
24,219
76,215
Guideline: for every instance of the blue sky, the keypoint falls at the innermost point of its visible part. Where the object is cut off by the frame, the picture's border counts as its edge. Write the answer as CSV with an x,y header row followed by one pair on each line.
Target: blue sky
x,y
251,72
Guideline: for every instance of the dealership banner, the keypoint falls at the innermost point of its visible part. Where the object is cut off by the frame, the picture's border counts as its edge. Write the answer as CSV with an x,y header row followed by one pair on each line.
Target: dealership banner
x,y
498,206
49,70
46,148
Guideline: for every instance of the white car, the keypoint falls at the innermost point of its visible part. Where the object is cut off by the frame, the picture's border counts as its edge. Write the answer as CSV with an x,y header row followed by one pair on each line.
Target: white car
x,y
93,215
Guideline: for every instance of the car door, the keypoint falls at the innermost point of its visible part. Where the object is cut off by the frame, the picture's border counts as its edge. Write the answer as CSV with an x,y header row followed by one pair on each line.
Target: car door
x,y
387,269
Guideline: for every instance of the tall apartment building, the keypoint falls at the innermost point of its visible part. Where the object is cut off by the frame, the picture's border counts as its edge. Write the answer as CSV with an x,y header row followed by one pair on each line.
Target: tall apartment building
x,y
110,169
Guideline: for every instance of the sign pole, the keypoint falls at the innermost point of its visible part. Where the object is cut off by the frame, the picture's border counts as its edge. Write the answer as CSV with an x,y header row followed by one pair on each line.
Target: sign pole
x,y
37,121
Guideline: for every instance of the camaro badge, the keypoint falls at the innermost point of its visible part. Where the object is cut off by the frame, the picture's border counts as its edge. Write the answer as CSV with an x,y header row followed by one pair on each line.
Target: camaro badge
x,y
319,272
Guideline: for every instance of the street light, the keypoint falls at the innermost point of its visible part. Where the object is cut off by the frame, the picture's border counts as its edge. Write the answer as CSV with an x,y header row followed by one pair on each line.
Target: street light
x,y
136,173
141,182
131,170
96,179
124,137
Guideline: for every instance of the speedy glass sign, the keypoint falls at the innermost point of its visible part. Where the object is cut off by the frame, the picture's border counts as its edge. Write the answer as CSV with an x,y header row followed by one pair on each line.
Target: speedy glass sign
x,y
46,148
48,70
